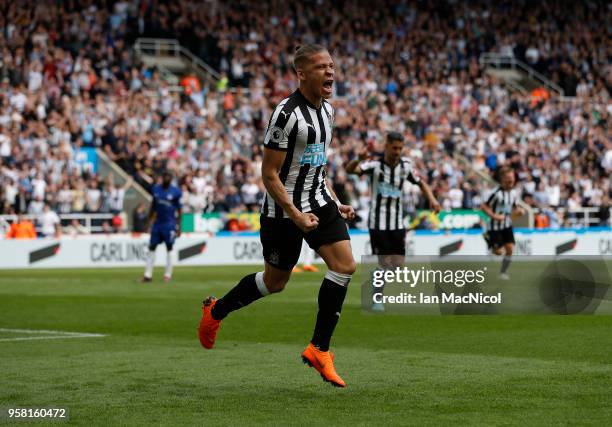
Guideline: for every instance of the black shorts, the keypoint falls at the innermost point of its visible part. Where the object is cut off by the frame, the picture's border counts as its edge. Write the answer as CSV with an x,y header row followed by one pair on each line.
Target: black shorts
x,y
498,238
388,242
282,239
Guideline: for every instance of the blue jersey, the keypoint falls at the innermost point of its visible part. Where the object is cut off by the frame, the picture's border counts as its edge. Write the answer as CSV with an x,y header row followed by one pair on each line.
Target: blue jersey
x,y
166,203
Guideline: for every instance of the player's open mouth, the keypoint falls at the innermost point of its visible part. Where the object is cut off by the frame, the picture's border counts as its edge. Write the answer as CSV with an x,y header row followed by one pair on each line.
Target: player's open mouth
x,y
327,84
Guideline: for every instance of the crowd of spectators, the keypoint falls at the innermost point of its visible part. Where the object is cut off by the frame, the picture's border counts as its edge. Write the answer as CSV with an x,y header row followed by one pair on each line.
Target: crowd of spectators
x,y
69,80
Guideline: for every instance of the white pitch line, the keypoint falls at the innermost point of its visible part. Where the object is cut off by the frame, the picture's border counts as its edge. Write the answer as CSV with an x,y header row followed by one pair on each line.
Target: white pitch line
x,y
54,334
52,337
43,331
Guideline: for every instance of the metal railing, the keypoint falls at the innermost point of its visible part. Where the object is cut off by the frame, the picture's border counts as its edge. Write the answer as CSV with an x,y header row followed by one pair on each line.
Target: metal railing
x,y
516,87
498,60
88,223
170,78
583,217
172,48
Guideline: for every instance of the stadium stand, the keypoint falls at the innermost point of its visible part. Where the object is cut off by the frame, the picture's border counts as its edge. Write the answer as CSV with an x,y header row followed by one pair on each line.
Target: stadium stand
x,y
70,81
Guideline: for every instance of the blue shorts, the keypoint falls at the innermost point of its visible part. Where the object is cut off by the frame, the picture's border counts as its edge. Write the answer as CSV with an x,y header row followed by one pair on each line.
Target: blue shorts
x,y
165,233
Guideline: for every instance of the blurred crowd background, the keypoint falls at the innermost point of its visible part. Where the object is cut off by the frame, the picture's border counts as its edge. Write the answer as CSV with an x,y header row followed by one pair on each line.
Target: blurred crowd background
x,y
69,79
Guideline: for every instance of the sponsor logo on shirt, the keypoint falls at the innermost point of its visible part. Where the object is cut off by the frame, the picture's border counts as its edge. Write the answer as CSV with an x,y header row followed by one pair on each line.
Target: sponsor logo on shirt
x,y
388,190
314,155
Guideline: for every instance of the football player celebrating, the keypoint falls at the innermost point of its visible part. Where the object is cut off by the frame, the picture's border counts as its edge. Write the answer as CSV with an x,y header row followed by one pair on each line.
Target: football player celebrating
x,y
299,204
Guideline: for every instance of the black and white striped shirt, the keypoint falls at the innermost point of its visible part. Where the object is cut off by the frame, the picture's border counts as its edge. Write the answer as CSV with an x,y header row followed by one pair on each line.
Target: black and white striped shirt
x,y
501,202
305,133
386,210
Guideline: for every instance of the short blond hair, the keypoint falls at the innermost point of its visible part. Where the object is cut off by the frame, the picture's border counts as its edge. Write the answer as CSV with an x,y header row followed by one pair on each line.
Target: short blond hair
x,y
304,52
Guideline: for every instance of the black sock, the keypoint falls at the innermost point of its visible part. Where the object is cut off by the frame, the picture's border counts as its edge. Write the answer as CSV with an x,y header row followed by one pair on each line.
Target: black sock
x,y
331,297
505,263
244,293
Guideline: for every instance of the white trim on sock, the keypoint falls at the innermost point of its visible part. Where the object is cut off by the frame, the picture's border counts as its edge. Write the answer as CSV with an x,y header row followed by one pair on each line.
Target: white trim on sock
x,y
261,286
149,264
168,271
339,278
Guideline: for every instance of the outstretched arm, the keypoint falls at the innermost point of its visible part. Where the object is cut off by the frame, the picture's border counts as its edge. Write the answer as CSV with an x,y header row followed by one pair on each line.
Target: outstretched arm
x,y
353,166
433,203
127,183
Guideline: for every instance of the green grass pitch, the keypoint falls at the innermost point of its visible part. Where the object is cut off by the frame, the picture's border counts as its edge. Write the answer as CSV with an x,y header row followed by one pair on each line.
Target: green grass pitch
x,y
149,369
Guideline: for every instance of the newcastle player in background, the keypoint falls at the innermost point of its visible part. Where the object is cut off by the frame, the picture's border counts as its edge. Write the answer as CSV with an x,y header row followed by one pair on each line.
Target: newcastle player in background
x,y
500,206
166,209
386,219
299,204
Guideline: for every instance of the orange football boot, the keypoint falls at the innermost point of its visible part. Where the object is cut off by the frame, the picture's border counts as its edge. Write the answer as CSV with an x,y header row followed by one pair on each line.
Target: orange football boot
x,y
310,268
207,331
323,362
296,269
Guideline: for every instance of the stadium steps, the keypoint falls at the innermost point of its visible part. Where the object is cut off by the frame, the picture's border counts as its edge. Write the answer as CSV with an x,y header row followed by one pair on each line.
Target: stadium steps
x,y
134,193
172,58
516,74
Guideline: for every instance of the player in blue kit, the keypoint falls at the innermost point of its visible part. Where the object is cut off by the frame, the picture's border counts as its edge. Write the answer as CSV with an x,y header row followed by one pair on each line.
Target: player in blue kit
x,y
166,209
